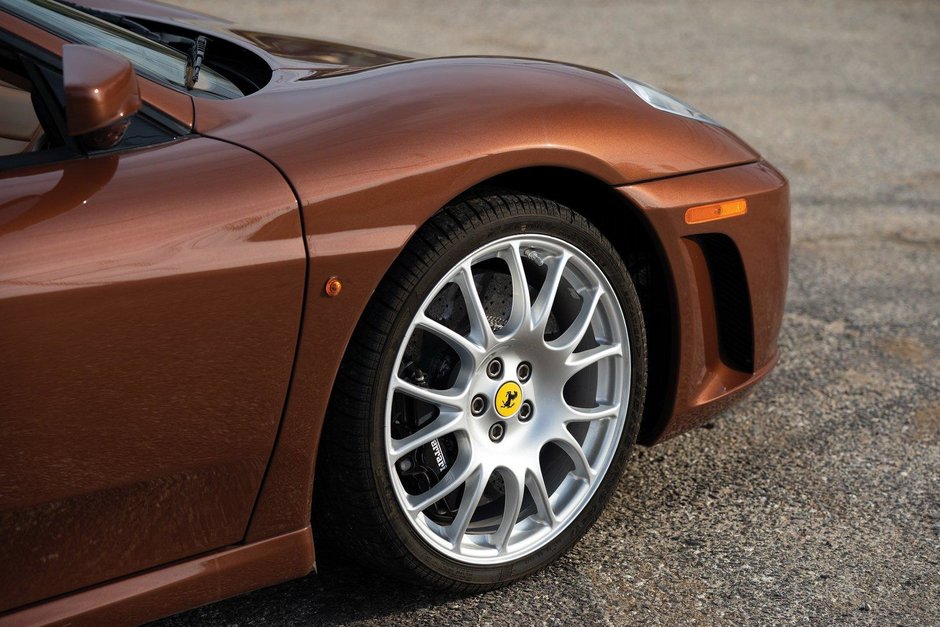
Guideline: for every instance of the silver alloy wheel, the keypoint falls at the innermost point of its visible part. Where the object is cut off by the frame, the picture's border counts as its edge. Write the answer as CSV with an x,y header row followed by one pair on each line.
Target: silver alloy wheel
x,y
514,493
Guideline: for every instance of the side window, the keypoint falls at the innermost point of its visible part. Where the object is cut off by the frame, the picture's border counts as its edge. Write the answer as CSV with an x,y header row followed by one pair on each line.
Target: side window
x,y
20,129
32,130
32,117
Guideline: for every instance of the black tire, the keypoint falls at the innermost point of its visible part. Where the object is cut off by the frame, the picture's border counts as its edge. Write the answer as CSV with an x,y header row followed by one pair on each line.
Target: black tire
x,y
360,510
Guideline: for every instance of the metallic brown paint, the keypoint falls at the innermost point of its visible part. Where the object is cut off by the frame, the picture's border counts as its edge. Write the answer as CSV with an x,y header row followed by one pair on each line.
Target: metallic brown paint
x,y
177,587
171,315
100,88
371,164
762,237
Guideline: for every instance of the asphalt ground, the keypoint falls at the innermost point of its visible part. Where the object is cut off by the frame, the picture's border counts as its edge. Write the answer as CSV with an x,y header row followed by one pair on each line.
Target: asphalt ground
x,y
817,500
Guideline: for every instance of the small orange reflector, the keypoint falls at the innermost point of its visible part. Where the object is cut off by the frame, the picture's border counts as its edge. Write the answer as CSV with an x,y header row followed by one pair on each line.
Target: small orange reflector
x,y
718,211
333,287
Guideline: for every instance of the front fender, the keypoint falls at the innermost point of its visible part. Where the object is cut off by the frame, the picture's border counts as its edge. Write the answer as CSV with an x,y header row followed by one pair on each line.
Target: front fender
x,y
390,122
373,154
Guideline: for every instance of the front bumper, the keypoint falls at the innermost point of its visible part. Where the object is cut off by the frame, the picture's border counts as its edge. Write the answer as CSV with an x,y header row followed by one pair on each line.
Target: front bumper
x,y
728,286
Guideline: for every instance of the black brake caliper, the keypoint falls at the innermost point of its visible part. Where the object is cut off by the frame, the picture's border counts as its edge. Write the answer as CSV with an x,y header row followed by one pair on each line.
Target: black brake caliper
x,y
426,466
429,363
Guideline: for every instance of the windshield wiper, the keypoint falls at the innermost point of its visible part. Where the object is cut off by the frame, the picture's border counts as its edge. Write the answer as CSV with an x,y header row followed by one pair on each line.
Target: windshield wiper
x,y
194,61
176,42
194,49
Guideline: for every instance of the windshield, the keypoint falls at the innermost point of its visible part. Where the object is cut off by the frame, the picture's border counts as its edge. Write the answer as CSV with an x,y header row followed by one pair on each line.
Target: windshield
x,y
150,58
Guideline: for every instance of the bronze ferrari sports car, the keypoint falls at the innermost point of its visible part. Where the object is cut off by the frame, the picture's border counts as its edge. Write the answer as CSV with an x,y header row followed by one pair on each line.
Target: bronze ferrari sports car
x,y
251,280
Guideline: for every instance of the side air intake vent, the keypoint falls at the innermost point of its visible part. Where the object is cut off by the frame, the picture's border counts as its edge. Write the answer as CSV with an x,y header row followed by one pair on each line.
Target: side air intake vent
x,y
732,301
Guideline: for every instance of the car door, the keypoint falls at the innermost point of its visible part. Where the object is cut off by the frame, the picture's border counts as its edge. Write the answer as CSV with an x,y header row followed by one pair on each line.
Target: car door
x,y
150,302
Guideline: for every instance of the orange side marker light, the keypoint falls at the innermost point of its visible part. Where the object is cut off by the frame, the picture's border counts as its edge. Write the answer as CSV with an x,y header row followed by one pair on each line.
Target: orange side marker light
x,y
333,286
717,211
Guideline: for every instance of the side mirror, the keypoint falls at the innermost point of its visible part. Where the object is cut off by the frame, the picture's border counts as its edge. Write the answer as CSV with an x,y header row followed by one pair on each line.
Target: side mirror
x,y
101,94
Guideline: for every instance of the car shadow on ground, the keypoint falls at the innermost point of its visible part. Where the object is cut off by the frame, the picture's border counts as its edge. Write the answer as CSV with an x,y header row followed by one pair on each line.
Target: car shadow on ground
x,y
339,592
343,591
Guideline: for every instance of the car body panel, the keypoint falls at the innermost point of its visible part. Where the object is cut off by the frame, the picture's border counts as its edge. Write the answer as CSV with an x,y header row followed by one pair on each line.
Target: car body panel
x,y
353,150
160,291
704,384
523,111
370,165
204,579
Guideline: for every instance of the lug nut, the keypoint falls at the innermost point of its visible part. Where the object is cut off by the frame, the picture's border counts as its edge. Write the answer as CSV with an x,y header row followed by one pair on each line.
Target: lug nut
x,y
478,405
497,431
526,411
494,368
524,371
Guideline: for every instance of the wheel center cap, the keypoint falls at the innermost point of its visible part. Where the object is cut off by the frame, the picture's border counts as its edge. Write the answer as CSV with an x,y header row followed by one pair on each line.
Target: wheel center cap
x,y
508,399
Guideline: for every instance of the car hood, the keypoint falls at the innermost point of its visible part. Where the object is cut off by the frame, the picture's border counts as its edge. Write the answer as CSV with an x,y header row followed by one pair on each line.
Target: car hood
x,y
383,111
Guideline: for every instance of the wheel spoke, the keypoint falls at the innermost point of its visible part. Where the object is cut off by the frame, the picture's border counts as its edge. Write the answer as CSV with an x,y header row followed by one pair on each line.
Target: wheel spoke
x,y
573,335
536,484
578,414
454,478
464,346
435,397
479,324
472,493
514,494
542,307
546,486
521,314
446,423
571,447
577,362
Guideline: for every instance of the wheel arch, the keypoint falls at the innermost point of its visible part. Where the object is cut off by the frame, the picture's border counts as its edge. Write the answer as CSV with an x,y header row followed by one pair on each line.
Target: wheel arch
x,y
639,247
299,447
624,223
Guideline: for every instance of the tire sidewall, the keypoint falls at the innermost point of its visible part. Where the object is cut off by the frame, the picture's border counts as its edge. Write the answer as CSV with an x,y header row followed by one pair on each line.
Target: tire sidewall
x,y
574,230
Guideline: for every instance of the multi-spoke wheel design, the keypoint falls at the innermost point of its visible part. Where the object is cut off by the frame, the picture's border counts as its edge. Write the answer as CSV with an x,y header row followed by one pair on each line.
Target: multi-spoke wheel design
x,y
488,399
506,404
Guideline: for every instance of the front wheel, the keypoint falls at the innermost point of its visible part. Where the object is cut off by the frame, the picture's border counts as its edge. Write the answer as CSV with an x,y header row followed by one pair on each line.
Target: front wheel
x,y
489,397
